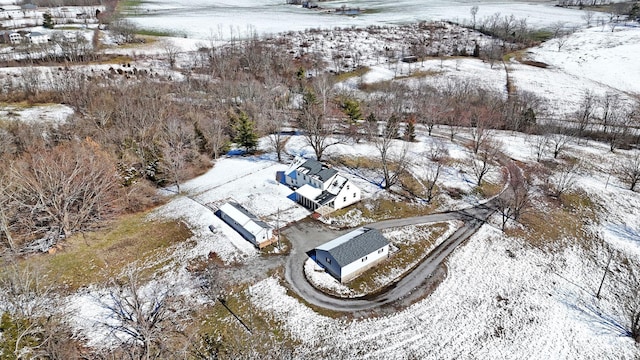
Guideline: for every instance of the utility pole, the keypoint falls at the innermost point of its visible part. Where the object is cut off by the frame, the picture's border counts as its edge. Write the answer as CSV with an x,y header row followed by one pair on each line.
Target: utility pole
x,y
606,270
278,227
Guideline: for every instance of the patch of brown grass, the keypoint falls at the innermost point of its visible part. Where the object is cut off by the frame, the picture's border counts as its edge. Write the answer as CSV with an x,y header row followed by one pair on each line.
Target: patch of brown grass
x,y
487,189
375,87
561,223
402,259
351,74
95,257
267,333
359,162
420,74
372,210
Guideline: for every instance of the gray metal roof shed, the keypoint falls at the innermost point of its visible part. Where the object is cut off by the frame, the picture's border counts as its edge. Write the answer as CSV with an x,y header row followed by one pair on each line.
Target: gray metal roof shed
x,y
354,245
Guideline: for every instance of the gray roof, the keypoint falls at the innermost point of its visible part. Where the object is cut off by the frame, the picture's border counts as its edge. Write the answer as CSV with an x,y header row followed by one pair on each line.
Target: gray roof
x,y
246,212
314,166
354,245
317,169
326,174
325,198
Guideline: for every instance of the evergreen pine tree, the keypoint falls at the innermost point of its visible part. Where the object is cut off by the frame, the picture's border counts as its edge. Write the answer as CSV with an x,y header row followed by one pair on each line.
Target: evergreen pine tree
x,y
351,108
528,117
476,50
203,144
391,130
410,131
47,21
245,131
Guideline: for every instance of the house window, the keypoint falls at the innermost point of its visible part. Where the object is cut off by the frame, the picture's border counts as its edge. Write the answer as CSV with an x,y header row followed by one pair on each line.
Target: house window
x,y
344,198
328,261
364,259
354,195
347,187
381,251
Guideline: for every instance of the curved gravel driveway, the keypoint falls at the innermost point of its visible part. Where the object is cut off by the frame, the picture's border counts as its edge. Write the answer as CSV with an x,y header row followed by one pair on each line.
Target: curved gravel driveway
x,y
306,236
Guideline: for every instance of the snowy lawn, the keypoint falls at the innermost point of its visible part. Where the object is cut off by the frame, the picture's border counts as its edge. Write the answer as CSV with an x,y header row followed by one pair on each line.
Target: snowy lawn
x,y
250,181
501,300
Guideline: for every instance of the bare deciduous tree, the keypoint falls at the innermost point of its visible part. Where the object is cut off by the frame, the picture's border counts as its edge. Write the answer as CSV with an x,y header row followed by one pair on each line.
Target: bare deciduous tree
x,y
437,154
177,148
587,16
64,189
481,164
315,118
124,30
480,133
276,118
516,199
32,319
629,171
585,113
214,130
143,319
562,179
171,52
392,152
539,145
7,211
474,12
560,33
558,142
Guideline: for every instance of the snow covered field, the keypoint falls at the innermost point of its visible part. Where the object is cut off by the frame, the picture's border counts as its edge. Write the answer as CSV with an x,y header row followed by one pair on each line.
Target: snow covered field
x,y
502,298
222,19
55,113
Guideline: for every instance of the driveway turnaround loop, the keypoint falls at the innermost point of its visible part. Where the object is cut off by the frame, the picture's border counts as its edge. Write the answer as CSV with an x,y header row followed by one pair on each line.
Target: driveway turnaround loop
x,y
305,237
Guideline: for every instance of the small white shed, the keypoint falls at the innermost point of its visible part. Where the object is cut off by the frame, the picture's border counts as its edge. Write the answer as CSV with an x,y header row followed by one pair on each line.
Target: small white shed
x,y
246,224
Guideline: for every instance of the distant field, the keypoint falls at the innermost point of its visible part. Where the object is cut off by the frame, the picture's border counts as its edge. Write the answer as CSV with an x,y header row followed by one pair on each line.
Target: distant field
x,y
222,19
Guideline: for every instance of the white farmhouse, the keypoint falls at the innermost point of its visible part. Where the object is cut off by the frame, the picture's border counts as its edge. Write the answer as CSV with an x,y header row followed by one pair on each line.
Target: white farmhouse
x,y
246,224
10,37
319,187
353,253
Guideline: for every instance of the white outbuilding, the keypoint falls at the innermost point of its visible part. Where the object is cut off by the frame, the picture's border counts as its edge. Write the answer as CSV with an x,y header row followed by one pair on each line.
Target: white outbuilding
x,y
353,253
246,224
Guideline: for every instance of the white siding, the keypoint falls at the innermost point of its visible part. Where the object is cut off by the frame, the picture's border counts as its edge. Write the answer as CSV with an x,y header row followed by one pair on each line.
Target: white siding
x,y
245,225
364,263
42,39
348,195
357,267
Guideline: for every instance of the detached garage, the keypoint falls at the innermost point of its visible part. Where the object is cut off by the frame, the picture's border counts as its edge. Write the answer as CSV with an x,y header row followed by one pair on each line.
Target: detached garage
x,y
353,253
246,224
